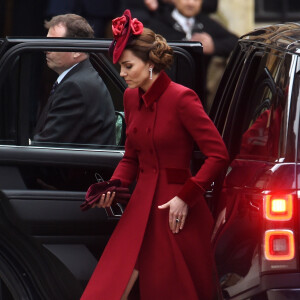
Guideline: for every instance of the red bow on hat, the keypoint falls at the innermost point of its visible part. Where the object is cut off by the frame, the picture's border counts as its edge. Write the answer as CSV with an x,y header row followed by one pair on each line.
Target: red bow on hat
x,y
123,27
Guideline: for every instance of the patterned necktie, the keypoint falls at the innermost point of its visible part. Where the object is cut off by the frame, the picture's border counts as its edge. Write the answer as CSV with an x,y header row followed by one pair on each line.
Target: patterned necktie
x,y
54,86
189,26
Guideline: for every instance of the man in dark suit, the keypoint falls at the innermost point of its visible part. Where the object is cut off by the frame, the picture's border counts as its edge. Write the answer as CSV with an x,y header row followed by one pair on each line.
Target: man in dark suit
x,y
186,21
79,109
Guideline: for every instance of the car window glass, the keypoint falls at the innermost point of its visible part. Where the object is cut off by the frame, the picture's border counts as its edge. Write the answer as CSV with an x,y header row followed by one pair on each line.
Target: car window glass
x,y
295,112
9,91
259,113
227,87
25,92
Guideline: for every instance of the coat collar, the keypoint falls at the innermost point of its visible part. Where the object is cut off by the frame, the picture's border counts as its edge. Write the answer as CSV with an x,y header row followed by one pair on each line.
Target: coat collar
x,y
156,89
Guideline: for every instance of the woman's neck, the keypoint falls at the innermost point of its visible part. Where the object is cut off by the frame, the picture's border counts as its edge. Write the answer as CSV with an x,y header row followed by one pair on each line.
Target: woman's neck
x,y
149,82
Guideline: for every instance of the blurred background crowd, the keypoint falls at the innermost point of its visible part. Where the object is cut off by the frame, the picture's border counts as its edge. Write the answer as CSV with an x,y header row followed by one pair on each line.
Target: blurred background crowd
x,y
235,17
25,17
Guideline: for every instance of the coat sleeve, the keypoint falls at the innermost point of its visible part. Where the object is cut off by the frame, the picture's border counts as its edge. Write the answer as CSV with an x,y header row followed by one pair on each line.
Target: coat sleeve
x,y
210,143
127,168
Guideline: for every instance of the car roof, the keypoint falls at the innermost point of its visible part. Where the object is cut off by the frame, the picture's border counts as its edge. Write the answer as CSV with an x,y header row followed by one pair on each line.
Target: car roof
x,y
284,37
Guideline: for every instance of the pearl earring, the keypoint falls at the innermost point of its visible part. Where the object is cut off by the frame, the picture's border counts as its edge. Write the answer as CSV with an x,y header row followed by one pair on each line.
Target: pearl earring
x,y
150,70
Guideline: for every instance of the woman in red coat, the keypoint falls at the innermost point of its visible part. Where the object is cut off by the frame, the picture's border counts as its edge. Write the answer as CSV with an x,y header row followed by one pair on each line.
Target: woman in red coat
x,y
163,237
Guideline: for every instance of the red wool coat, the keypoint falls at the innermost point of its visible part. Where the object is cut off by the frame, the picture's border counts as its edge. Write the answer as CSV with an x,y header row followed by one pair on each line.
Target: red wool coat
x,y
162,125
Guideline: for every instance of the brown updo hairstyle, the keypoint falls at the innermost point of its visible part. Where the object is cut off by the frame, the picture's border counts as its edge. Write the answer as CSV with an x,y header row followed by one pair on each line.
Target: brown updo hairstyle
x,y
152,47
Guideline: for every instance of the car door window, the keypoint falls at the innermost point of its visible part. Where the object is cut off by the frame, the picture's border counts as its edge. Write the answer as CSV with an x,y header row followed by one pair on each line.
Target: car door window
x,y
25,91
27,84
260,109
9,91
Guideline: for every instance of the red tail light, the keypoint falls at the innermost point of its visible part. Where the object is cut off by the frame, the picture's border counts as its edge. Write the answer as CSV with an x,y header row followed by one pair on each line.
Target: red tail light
x,y
279,208
279,245
279,240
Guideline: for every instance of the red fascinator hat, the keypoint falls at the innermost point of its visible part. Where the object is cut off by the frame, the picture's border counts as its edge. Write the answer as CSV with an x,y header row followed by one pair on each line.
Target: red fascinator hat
x,y
123,28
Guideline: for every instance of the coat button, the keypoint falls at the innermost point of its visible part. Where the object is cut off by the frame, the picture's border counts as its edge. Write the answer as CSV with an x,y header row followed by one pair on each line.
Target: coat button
x,y
151,151
148,130
134,130
141,170
154,170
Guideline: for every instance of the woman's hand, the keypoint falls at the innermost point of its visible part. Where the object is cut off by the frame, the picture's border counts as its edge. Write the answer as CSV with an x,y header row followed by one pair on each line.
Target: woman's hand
x,y
105,200
177,213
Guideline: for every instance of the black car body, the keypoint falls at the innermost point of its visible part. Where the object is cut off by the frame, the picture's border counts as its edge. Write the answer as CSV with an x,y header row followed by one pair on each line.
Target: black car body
x,y
48,247
256,237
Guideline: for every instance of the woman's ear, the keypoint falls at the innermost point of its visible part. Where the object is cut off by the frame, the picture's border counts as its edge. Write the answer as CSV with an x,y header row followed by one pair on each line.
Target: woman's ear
x,y
150,65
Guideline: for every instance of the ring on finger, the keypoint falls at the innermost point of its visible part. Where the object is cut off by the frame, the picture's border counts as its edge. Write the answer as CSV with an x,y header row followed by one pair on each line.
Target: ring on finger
x,y
177,220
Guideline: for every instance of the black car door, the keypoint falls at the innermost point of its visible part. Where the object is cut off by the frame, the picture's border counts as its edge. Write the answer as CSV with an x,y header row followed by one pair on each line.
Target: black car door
x,y
46,241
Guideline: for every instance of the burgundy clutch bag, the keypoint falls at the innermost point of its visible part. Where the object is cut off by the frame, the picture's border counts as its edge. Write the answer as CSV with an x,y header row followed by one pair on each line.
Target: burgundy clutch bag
x,y
96,190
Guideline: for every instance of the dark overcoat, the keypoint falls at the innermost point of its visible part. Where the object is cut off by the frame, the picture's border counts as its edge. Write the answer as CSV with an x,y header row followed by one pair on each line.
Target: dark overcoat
x,y
162,125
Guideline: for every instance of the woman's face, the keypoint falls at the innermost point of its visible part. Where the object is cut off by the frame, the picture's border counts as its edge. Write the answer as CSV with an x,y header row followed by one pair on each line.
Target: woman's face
x,y
134,71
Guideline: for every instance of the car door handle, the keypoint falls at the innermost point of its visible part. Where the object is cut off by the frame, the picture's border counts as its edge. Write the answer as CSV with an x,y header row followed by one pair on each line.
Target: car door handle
x,y
115,211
